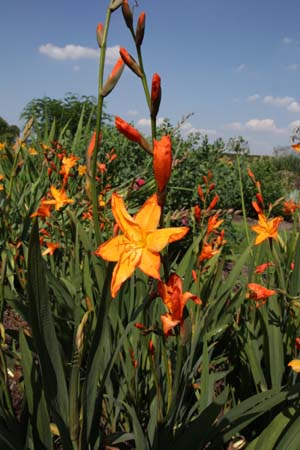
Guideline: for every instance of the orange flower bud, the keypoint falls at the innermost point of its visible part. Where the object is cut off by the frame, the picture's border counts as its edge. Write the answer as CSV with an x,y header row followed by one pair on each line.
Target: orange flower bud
x,y
99,34
251,174
113,78
213,202
151,348
197,213
132,134
296,147
155,95
257,207
130,62
140,29
127,14
200,193
260,198
162,161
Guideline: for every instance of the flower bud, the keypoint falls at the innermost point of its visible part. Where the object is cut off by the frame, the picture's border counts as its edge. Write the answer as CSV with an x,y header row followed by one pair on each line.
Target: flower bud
x,y
113,78
155,95
140,29
162,161
127,14
99,34
132,134
130,62
114,4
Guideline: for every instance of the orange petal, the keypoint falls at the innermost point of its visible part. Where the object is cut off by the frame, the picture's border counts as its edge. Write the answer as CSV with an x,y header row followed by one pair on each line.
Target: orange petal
x,y
295,365
150,263
158,239
149,214
112,249
124,269
127,224
168,323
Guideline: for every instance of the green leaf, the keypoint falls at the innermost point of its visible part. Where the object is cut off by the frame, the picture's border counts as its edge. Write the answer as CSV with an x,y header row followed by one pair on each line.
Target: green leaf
x,y
45,339
35,398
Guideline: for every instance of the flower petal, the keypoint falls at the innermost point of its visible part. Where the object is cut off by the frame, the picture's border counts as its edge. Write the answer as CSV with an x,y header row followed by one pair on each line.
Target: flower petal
x,y
149,214
150,263
295,365
126,223
168,323
158,239
124,269
112,249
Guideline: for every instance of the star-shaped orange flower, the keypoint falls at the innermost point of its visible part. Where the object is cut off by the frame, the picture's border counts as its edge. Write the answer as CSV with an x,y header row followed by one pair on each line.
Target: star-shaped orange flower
x,y
259,293
60,198
140,243
266,228
175,300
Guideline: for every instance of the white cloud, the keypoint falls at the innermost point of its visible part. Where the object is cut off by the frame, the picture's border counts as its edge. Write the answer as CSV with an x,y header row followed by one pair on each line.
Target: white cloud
x,y
287,40
241,68
294,124
267,125
146,123
75,52
188,128
292,66
253,98
234,126
132,112
294,107
278,101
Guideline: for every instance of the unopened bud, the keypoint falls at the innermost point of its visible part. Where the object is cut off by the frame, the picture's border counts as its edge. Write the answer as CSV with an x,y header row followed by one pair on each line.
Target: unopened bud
x,y
162,161
114,4
130,62
127,14
155,95
140,29
99,34
113,78
132,134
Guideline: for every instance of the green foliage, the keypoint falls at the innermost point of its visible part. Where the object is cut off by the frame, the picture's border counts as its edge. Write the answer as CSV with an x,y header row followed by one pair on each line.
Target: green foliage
x,y
8,133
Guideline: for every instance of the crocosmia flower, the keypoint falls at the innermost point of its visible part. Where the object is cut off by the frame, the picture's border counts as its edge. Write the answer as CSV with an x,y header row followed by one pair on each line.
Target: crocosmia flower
x,y
175,300
266,228
140,243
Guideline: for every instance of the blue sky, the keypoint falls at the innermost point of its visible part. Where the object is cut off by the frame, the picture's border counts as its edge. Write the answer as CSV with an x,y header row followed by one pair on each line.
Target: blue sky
x,y
235,65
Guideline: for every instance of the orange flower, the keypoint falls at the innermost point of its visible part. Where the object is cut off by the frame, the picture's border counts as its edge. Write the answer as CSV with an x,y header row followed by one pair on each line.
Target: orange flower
x,y
101,167
296,147
81,170
259,293
140,243
295,365
162,161
67,164
266,228
175,300
213,223
51,248
42,211
289,207
60,198
207,252
263,267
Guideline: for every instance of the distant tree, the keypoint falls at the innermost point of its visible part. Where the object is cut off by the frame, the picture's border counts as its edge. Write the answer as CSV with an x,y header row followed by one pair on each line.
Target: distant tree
x,y
8,133
64,111
238,145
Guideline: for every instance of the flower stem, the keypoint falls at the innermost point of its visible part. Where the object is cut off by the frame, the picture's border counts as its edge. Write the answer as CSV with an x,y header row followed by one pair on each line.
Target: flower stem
x,y
98,130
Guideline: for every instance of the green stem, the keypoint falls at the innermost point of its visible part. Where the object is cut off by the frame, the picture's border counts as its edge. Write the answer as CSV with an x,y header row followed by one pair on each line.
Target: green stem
x,y
98,129
243,199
